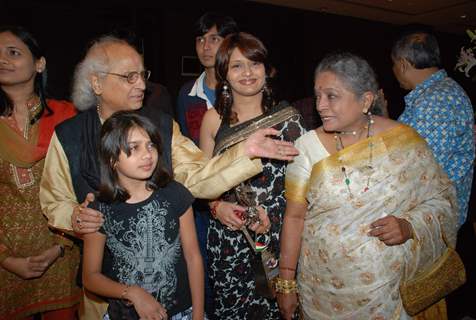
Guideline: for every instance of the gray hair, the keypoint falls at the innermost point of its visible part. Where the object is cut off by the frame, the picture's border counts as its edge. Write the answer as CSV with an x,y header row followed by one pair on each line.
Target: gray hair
x,y
355,72
96,59
421,49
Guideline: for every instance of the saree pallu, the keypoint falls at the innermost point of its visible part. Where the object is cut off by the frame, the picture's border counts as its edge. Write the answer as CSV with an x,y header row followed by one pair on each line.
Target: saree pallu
x,y
344,273
230,255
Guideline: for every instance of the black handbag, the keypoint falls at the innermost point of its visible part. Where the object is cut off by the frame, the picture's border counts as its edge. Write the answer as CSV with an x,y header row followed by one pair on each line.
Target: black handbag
x,y
264,274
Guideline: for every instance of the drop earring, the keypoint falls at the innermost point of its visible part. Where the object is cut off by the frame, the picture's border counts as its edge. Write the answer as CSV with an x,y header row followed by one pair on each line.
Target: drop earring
x,y
266,89
225,91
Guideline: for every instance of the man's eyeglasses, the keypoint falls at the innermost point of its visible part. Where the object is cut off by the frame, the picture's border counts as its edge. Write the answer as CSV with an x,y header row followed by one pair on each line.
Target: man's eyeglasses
x,y
133,76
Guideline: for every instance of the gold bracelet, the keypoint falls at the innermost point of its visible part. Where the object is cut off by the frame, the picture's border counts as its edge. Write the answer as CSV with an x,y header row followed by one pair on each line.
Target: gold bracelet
x,y
285,286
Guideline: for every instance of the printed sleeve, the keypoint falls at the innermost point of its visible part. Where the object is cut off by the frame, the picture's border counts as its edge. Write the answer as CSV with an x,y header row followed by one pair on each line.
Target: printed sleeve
x,y
298,174
437,130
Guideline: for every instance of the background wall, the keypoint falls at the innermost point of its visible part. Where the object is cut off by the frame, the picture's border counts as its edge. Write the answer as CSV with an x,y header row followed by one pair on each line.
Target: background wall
x,y
296,39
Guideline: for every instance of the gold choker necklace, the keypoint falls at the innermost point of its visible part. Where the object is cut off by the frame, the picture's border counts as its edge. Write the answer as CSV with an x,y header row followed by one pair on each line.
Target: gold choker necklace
x,y
350,133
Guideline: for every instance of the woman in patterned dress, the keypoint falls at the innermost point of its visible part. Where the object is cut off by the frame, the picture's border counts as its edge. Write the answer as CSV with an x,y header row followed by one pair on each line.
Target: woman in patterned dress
x,y
38,267
245,104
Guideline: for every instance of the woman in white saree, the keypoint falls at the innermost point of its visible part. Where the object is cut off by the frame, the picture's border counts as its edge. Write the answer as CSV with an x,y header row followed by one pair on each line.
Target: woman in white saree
x,y
367,205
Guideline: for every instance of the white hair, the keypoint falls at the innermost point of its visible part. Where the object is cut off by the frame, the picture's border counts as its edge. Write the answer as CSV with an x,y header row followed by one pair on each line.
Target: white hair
x,y
96,59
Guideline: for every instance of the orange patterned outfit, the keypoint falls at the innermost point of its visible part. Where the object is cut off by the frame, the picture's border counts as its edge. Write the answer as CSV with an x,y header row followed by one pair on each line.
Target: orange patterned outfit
x,y
23,228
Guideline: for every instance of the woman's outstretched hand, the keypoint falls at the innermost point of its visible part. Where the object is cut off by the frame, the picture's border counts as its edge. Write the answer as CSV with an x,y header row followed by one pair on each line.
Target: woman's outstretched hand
x,y
261,145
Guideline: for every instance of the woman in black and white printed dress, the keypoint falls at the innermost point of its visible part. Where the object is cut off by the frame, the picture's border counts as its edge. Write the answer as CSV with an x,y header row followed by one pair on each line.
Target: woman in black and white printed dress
x,y
245,104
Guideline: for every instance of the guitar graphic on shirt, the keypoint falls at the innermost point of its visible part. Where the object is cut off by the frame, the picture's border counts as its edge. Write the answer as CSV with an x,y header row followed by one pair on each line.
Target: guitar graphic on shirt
x,y
155,261
146,270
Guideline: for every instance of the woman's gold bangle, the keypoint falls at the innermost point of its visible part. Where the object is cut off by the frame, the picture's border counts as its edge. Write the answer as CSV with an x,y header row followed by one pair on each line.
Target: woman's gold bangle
x,y
285,286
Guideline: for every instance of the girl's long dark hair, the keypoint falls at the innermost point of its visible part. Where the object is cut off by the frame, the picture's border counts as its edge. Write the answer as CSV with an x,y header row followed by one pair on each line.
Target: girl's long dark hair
x,y
6,104
114,135
253,49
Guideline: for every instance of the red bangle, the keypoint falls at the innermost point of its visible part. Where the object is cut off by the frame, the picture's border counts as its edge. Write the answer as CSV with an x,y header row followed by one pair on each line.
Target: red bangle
x,y
213,209
286,268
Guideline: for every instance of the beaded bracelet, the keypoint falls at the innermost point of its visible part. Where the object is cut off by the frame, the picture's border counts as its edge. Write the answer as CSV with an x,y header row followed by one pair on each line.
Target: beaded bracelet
x,y
285,286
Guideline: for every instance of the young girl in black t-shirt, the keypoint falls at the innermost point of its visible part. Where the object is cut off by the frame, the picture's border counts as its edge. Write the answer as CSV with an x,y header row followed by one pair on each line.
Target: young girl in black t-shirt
x,y
152,264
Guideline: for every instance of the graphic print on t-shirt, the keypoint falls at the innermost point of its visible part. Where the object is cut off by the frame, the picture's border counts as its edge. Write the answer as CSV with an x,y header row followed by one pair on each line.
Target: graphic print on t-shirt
x,y
143,254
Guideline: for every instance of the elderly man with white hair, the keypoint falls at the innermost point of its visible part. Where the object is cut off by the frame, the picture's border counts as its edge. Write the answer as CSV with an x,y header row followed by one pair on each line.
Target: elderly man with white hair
x,y
111,78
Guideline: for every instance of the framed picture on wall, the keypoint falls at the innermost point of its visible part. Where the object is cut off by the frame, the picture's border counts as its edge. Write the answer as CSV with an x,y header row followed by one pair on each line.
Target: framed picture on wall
x,y
191,66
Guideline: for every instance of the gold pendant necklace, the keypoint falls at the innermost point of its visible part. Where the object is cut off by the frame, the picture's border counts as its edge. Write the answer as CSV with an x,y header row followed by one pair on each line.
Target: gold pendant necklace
x,y
340,146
